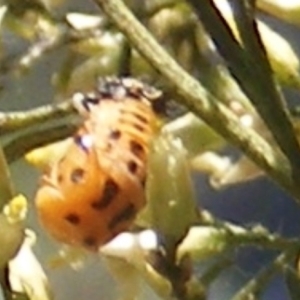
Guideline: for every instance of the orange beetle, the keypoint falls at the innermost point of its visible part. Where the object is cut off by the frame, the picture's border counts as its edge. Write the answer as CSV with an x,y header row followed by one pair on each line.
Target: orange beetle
x,y
95,191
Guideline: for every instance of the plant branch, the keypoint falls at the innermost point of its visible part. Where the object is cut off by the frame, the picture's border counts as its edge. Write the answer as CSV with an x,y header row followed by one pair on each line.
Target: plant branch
x,y
199,101
18,147
235,235
32,54
13,121
215,236
6,187
249,65
61,36
256,284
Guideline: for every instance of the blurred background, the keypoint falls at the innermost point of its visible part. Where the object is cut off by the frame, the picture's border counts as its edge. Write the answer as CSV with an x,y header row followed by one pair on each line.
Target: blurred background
x,y
258,201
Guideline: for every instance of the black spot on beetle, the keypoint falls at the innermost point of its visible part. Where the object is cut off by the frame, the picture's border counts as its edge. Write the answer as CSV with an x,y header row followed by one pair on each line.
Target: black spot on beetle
x,y
77,175
141,118
126,214
110,191
73,218
136,148
90,100
115,134
139,127
132,166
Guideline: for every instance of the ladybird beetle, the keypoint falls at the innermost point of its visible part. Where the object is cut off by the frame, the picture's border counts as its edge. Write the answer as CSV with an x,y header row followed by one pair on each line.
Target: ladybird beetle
x,y
96,189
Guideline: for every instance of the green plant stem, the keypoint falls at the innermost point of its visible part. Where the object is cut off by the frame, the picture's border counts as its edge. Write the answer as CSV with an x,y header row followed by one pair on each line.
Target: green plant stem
x,y
239,236
199,101
234,235
249,65
64,35
259,237
6,188
18,147
13,121
257,284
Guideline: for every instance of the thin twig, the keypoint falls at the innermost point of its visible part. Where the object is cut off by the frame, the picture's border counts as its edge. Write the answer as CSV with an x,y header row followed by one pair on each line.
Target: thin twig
x,y
34,53
62,36
257,235
257,284
13,121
